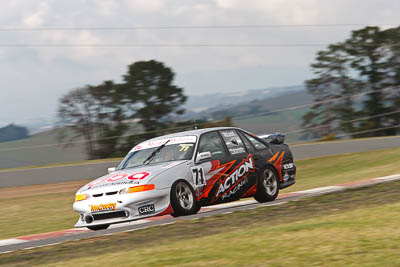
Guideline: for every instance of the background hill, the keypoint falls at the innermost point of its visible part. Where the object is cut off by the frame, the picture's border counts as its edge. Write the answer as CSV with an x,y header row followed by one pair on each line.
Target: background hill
x,y
253,110
219,101
259,106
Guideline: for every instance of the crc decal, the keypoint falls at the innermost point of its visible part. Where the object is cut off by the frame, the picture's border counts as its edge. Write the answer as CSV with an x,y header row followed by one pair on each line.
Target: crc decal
x,y
198,176
236,176
139,176
147,209
103,207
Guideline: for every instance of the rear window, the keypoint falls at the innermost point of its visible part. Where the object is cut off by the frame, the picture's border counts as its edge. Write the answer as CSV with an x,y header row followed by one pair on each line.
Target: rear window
x,y
233,142
257,144
247,143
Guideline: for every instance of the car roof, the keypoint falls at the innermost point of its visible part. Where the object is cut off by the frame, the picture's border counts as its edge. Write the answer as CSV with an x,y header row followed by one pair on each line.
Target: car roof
x,y
194,132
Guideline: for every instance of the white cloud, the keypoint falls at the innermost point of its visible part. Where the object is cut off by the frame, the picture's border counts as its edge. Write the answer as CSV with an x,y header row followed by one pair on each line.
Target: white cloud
x,y
56,69
107,7
226,3
36,18
76,53
278,11
147,6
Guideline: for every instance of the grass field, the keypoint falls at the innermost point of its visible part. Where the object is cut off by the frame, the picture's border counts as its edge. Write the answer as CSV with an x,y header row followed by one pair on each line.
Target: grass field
x,y
10,157
350,228
344,168
47,208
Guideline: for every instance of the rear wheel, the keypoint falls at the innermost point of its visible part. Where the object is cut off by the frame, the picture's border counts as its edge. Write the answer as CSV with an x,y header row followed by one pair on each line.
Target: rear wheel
x,y
98,227
268,186
183,199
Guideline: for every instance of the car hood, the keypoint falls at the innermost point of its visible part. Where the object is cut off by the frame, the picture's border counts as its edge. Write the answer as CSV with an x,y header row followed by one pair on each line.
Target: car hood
x,y
128,177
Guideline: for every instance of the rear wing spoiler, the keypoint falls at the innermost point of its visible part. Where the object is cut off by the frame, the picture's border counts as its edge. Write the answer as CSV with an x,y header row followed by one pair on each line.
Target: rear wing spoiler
x,y
275,138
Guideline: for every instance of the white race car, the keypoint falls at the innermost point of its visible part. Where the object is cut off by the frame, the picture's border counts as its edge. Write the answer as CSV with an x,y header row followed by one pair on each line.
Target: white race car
x,y
179,173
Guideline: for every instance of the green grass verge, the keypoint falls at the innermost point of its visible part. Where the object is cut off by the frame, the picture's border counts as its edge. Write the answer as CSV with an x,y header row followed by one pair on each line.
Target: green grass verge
x,y
337,169
36,214
52,211
350,228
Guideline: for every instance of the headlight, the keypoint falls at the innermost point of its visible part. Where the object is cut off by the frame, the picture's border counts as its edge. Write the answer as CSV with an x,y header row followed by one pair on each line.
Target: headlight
x,y
138,188
124,191
81,197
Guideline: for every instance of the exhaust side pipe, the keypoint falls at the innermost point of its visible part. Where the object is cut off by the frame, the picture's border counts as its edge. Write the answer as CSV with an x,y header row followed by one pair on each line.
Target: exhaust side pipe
x,y
89,219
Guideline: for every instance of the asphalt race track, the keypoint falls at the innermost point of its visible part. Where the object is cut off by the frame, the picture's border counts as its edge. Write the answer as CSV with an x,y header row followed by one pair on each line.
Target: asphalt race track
x,y
67,173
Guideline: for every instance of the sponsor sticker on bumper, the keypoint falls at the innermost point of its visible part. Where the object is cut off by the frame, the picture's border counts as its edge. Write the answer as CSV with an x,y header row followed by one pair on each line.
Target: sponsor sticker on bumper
x,y
103,207
147,209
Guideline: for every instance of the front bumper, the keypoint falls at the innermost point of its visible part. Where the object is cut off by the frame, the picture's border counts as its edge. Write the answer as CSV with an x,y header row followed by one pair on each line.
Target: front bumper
x,y
121,208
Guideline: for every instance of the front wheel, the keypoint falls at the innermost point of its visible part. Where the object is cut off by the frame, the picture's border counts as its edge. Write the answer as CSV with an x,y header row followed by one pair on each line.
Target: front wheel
x,y
98,227
268,186
183,199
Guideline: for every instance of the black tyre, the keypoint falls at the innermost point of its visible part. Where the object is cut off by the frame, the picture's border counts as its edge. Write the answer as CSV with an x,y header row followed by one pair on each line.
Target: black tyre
x,y
268,186
183,199
98,227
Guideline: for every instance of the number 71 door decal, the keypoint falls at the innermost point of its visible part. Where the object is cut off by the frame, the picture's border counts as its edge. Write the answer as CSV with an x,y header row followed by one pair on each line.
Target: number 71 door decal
x,y
198,176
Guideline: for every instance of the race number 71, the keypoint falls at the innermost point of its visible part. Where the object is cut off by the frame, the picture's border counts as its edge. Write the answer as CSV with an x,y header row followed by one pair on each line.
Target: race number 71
x,y
198,176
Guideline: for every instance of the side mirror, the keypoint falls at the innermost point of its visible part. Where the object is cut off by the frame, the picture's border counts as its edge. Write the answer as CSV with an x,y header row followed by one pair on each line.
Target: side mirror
x,y
110,170
202,156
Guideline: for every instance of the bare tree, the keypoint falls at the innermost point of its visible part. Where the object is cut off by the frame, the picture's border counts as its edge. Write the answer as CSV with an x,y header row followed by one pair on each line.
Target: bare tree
x,y
92,114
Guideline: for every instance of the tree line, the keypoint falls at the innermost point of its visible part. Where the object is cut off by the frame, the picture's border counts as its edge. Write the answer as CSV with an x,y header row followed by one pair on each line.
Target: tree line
x,y
356,87
354,79
112,117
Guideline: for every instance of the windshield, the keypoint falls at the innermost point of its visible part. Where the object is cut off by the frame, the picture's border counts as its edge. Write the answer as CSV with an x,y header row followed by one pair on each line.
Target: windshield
x,y
170,152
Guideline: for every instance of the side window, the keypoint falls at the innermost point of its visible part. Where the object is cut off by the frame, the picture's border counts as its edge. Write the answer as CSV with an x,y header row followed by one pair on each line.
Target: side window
x,y
233,142
211,142
247,143
255,142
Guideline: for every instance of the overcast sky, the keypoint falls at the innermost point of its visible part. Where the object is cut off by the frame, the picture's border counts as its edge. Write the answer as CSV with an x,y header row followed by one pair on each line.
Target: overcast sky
x,y
33,78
